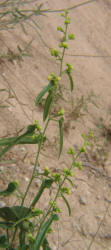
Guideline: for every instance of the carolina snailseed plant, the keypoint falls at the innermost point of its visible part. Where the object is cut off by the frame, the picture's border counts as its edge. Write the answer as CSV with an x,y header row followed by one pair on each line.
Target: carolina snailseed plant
x,y
28,226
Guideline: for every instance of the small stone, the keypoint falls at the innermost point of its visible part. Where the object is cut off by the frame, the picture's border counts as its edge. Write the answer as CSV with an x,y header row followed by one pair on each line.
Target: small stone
x,y
2,204
98,197
22,149
37,182
26,179
10,109
82,200
1,168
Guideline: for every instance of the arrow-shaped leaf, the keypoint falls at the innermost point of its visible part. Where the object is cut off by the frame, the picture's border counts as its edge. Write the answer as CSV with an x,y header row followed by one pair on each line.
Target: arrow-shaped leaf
x,y
67,203
42,234
61,135
47,106
43,92
71,80
45,184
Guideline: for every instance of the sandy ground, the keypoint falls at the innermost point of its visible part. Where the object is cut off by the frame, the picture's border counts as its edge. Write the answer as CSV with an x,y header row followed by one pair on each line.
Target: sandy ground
x,y
90,53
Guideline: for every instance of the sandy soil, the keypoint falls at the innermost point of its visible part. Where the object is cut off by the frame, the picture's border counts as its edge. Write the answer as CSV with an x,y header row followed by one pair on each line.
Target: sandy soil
x,y
90,53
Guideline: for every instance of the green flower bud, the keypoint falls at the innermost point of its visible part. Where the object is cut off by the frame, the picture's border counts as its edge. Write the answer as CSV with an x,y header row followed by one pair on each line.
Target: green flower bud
x,y
70,67
38,127
55,52
83,149
50,78
46,171
71,36
68,20
16,182
61,112
66,190
58,78
79,165
50,230
71,151
53,203
64,45
91,134
57,177
63,15
59,28
88,143
32,239
68,172
58,210
37,211
72,174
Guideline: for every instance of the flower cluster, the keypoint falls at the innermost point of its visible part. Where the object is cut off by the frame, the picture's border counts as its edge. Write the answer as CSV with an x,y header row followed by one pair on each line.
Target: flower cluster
x,y
55,207
38,127
53,77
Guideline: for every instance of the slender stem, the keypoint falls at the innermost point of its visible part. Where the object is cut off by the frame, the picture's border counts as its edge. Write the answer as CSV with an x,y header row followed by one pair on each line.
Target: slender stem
x,y
63,53
36,163
33,175
93,239
14,234
57,194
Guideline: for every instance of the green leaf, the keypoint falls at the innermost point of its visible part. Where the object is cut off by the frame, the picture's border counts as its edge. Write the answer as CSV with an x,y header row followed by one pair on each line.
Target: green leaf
x,y
5,225
22,236
3,241
15,213
71,80
45,245
61,135
17,140
3,106
2,90
48,183
72,184
28,139
45,184
12,186
43,92
41,236
47,106
67,203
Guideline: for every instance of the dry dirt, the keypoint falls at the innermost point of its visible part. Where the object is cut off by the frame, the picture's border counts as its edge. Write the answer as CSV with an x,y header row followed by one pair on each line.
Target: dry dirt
x,y
90,53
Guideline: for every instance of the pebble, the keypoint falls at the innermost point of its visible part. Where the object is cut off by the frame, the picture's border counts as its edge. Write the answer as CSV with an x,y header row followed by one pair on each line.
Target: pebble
x,y
10,109
1,168
26,179
83,200
2,204
22,149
